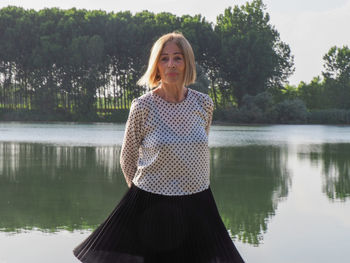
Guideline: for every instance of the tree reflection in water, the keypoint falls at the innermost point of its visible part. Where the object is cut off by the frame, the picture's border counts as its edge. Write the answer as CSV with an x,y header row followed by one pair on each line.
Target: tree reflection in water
x,y
248,182
50,187
335,161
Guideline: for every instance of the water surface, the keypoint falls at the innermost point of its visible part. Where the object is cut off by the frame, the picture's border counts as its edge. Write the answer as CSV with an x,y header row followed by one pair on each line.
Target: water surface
x,y
283,191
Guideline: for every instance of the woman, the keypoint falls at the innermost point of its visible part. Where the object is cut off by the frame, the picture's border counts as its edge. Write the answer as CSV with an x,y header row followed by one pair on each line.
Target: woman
x,y
168,214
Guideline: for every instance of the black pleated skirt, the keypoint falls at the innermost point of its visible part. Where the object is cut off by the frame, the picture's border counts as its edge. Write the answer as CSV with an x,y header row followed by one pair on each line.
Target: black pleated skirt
x,y
151,228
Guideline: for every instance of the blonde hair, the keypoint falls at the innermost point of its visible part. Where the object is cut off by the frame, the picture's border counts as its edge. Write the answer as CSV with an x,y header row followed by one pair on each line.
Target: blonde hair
x,y
151,76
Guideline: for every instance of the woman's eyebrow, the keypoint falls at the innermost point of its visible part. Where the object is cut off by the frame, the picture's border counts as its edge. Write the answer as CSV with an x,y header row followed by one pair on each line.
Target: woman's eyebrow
x,y
175,53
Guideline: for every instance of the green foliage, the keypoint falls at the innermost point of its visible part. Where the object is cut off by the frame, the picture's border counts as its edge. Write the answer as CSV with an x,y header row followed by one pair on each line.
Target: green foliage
x,y
83,65
329,116
253,58
262,109
119,116
290,111
328,99
254,109
72,60
202,81
288,92
257,109
337,63
337,77
34,115
313,94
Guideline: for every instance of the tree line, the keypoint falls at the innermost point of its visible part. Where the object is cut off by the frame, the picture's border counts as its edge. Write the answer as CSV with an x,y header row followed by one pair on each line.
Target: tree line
x,y
82,64
327,97
325,100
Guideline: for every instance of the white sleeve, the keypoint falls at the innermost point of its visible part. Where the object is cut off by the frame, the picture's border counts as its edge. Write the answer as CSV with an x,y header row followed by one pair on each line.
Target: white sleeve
x,y
132,140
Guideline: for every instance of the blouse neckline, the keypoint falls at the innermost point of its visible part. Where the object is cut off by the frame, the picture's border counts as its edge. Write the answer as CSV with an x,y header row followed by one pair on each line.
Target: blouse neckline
x,y
173,103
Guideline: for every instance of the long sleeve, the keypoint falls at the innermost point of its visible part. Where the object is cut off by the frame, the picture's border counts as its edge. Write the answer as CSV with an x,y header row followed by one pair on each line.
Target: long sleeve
x,y
165,147
209,105
132,141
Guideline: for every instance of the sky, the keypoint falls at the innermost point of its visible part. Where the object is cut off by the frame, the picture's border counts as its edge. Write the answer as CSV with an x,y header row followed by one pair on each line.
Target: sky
x,y
309,27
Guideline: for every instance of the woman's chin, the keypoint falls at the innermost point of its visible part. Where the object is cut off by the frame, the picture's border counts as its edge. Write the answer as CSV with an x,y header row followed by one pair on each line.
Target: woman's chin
x,y
173,81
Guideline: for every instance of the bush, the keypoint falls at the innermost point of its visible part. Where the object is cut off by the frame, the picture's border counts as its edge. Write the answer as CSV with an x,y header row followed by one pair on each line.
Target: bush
x,y
35,115
119,116
260,109
290,111
263,101
255,109
329,116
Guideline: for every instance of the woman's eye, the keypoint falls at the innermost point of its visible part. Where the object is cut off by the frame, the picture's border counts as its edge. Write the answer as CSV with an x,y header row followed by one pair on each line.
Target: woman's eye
x,y
178,58
164,59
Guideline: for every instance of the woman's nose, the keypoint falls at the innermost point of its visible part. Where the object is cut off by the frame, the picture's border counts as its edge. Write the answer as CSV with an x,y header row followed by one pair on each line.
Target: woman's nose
x,y
171,63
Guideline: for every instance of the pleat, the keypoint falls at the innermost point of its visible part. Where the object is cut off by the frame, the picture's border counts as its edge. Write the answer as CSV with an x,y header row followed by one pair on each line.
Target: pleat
x,y
151,228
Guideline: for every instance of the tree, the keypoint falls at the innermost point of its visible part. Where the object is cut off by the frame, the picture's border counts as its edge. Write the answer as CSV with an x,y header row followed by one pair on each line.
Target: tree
x,y
202,82
80,62
253,58
313,94
337,77
337,63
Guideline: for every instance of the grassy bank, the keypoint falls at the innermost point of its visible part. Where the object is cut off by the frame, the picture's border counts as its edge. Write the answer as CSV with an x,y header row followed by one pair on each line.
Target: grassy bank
x,y
288,115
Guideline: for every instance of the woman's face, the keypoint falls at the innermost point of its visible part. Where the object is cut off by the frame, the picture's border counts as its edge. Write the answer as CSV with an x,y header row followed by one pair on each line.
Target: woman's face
x,y
171,65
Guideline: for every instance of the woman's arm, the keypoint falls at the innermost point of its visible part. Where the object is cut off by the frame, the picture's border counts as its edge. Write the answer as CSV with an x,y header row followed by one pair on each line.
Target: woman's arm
x,y
132,140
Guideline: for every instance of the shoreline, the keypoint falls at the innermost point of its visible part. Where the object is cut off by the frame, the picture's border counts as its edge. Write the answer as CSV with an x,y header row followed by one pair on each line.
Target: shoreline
x,y
214,123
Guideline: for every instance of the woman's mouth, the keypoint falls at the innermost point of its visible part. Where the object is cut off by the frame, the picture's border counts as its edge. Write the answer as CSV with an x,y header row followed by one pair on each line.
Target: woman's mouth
x,y
172,74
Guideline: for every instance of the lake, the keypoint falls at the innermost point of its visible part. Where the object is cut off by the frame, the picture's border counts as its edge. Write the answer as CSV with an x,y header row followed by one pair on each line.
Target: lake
x,y
283,191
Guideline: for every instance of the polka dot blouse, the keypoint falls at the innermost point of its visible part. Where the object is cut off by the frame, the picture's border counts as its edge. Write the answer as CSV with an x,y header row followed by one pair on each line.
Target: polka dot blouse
x,y
165,147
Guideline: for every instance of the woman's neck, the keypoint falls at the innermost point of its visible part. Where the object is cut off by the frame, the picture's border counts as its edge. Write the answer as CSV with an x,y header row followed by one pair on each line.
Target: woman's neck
x,y
171,93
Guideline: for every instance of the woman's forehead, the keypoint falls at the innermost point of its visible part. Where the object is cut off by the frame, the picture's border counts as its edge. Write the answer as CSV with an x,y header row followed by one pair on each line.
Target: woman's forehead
x,y
171,48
